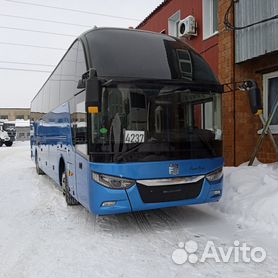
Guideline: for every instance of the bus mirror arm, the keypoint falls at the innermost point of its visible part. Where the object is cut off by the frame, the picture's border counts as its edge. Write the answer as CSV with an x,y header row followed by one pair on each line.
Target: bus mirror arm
x,y
81,84
87,75
254,95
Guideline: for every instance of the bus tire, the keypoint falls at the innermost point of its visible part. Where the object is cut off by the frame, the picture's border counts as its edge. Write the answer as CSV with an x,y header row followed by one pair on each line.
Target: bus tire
x,y
9,143
38,169
70,200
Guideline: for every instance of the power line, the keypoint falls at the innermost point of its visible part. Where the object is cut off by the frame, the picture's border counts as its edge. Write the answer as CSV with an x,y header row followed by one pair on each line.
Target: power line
x,y
20,69
71,10
30,64
45,20
32,45
36,31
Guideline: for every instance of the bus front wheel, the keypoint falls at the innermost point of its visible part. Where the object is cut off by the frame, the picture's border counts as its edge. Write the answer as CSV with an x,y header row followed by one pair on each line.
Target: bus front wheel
x,y
66,190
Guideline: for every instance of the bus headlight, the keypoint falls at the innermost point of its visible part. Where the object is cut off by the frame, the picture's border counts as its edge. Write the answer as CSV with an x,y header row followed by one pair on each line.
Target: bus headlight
x,y
112,182
215,176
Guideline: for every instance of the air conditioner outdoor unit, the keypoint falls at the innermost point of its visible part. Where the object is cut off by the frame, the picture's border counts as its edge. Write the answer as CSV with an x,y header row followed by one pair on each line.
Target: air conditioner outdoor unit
x,y
187,27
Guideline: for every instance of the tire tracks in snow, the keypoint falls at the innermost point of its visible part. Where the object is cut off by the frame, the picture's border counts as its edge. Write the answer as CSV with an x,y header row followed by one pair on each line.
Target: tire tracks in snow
x,y
142,222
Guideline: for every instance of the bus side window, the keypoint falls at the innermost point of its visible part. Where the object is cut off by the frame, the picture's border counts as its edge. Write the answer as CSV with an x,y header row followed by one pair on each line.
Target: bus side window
x,y
198,116
80,123
80,63
203,115
68,72
77,105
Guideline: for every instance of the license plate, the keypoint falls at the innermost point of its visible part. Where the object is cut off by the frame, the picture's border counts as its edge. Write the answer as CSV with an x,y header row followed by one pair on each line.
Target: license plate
x,y
134,136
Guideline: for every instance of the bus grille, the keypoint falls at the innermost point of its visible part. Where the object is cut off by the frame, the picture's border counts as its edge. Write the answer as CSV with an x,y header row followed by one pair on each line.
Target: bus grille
x,y
157,194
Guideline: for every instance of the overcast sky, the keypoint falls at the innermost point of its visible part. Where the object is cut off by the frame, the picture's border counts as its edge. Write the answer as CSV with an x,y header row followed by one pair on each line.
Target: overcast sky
x,y
19,87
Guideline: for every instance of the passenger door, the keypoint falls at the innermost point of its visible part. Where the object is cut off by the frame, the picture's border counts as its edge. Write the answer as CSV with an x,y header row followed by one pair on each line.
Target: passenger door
x,y
81,145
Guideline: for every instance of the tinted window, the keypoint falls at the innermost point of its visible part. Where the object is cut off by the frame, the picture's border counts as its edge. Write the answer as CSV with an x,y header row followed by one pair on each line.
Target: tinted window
x,y
39,105
34,109
81,66
155,123
54,88
62,84
129,53
68,73
137,100
202,70
80,123
45,98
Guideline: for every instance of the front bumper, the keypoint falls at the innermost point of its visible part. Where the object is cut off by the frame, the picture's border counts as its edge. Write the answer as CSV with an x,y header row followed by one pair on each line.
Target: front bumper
x,y
134,199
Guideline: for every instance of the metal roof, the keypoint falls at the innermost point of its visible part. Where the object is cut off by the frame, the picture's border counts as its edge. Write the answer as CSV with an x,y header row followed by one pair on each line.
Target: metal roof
x,y
260,39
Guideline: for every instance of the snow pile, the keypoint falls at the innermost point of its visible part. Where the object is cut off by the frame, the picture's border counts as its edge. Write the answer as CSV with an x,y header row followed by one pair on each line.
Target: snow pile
x,y
251,196
40,236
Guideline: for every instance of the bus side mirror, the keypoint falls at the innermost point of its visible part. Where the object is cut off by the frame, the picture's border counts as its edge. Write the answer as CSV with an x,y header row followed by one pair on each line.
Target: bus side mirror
x,y
93,92
255,99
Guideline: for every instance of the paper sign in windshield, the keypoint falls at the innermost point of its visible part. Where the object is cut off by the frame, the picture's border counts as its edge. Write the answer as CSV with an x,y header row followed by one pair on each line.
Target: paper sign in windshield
x,y
134,136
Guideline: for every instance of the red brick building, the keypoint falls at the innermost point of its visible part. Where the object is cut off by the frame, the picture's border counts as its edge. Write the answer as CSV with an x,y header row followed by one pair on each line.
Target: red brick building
x,y
250,53
234,56
165,19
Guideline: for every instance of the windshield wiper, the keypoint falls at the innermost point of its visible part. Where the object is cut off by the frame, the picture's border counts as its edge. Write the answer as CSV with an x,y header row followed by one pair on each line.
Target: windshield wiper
x,y
120,155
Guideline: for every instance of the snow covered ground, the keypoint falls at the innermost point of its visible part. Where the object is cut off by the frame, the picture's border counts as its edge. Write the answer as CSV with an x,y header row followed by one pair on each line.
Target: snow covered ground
x,y
41,237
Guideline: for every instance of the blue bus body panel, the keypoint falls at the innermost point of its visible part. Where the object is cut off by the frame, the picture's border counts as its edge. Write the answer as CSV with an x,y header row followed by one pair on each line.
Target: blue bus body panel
x,y
100,194
130,200
53,141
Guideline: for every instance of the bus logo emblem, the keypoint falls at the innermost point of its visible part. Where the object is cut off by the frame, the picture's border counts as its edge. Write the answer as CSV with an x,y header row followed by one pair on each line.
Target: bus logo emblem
x,y
174,169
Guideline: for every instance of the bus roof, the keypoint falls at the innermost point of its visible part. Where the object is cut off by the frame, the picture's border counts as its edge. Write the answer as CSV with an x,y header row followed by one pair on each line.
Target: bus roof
x,y
118,52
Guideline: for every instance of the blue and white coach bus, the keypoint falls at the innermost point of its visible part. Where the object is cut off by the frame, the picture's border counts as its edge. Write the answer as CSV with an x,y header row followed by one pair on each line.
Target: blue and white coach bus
x,y
130,121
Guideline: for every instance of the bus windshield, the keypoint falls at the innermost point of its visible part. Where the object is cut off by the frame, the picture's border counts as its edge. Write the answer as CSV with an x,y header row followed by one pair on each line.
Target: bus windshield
x,y
153,123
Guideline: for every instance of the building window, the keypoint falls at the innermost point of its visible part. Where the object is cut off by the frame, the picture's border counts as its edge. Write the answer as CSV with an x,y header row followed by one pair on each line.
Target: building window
x,y
4,117
210,18
20,117
173,23
270,97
